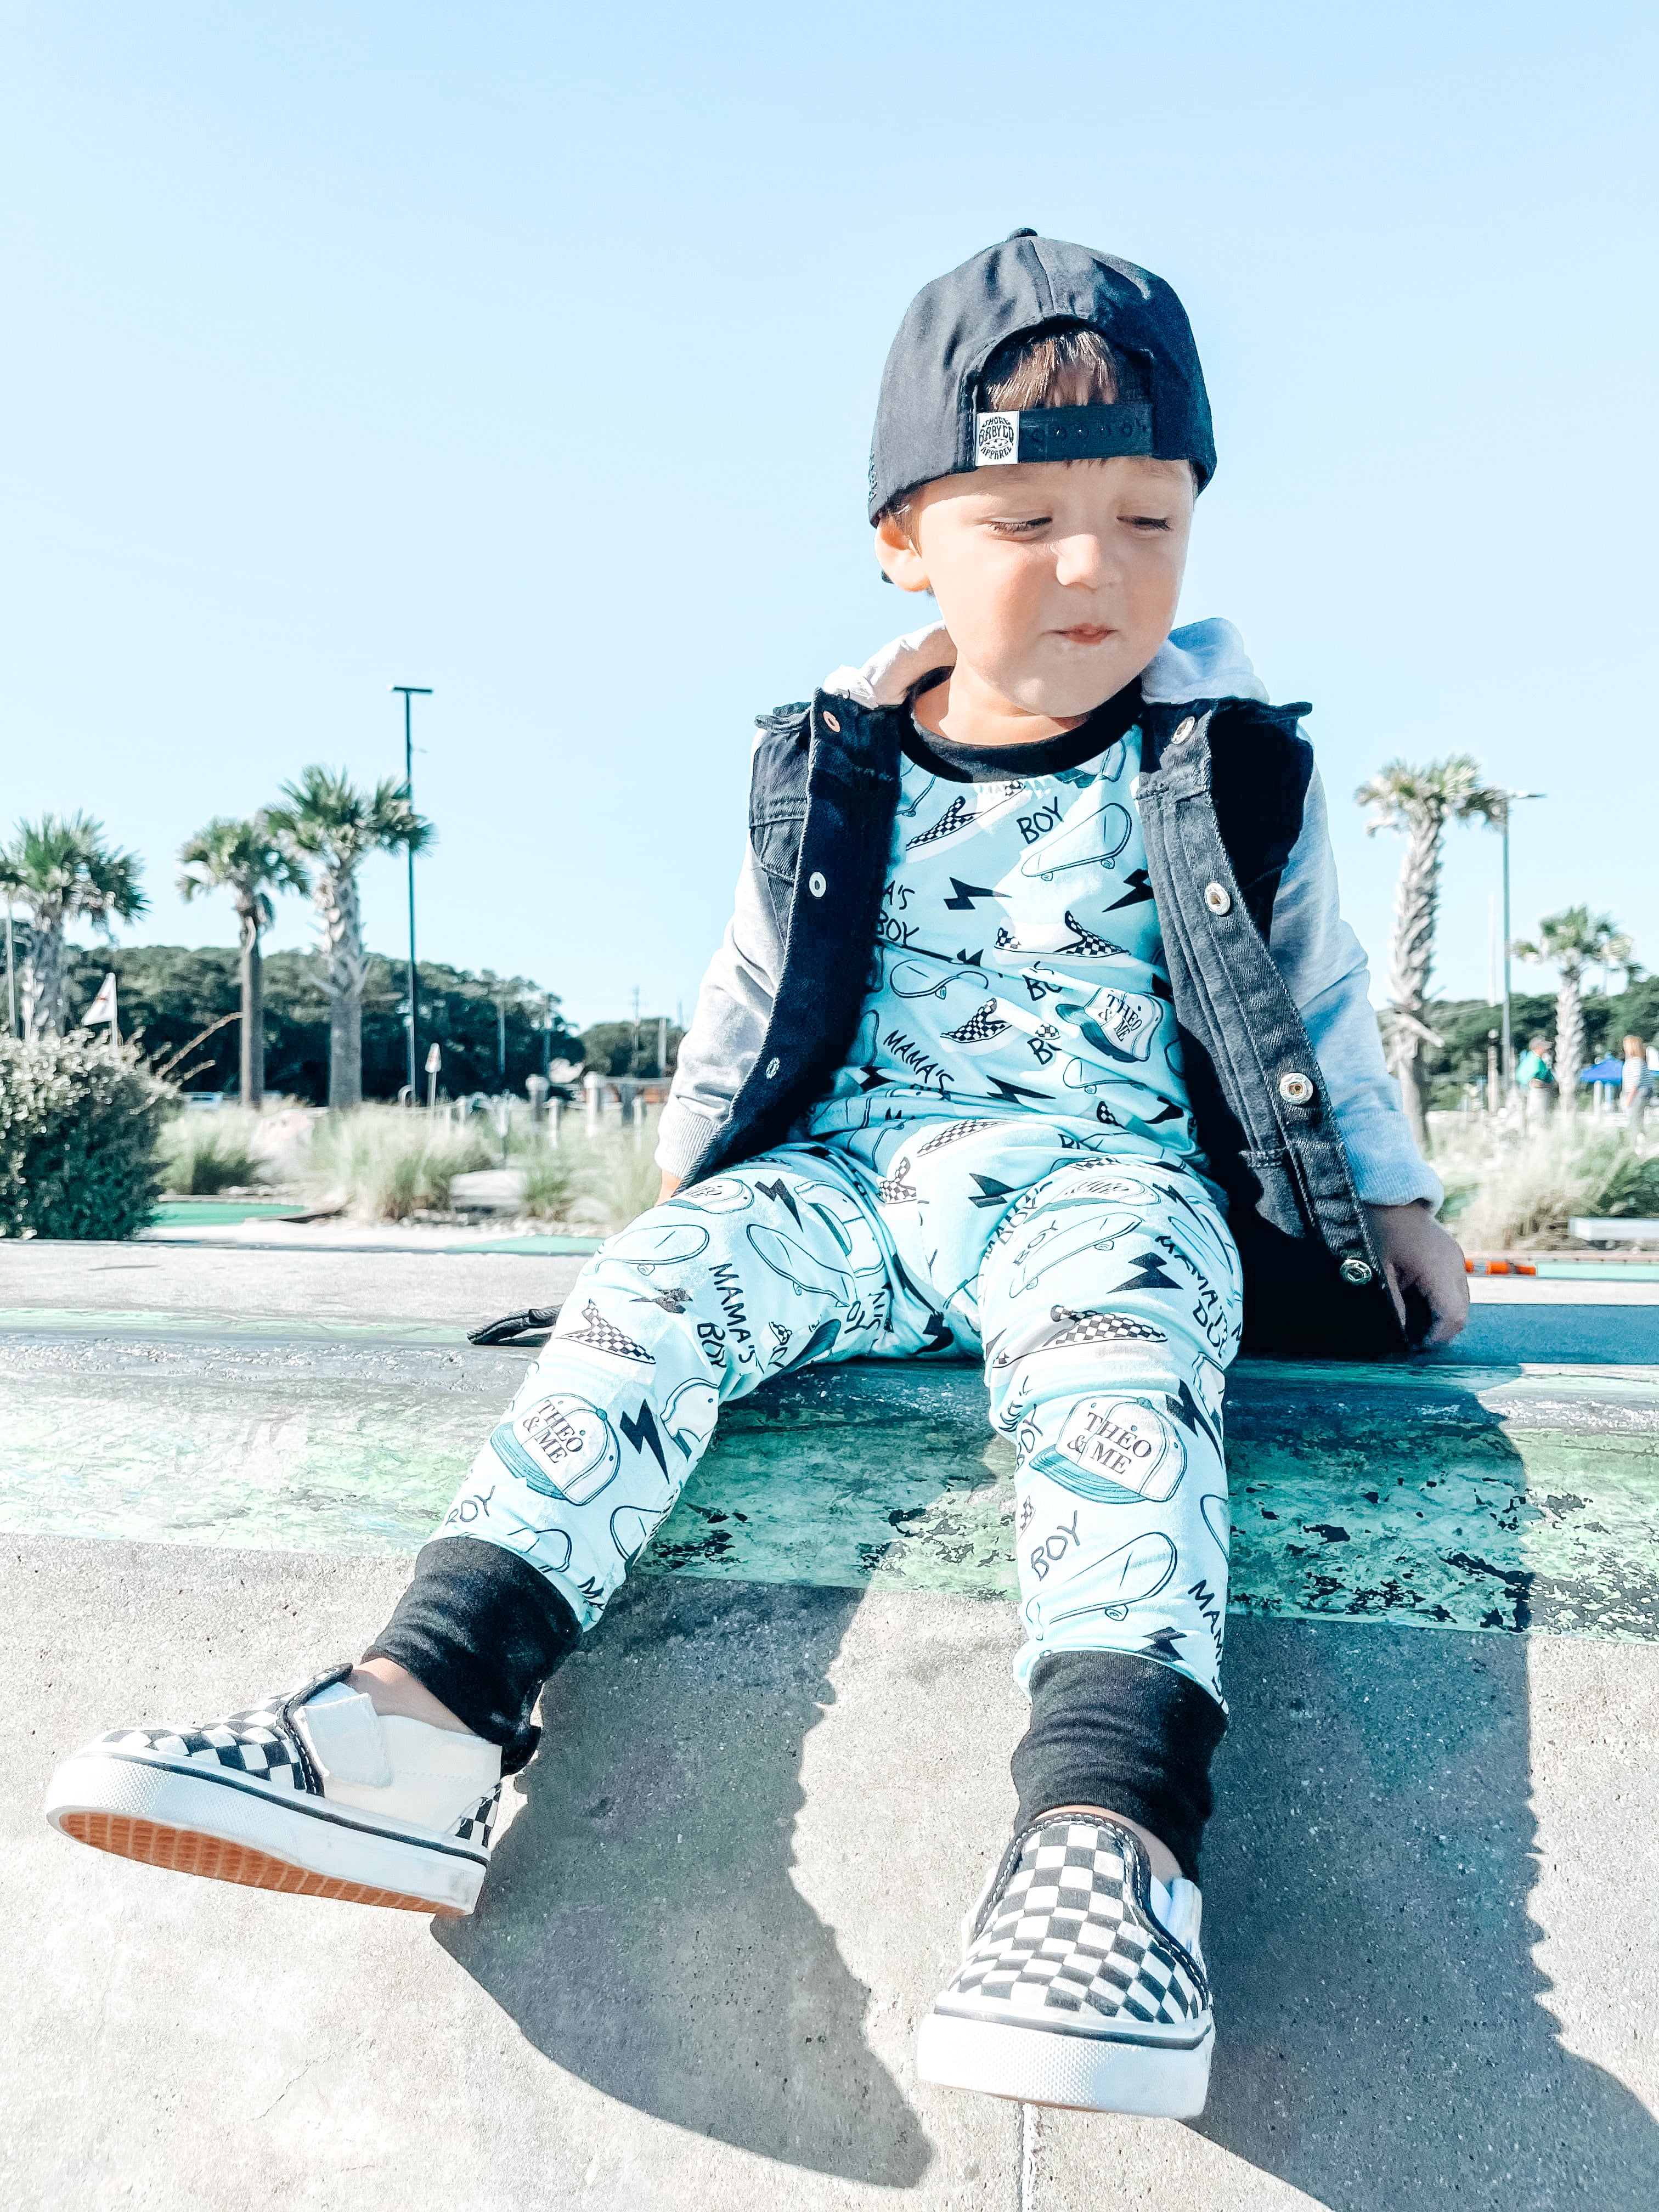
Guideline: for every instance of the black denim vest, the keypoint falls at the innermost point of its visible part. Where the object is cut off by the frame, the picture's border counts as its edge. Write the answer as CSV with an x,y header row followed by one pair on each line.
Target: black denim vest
x,y
1221,789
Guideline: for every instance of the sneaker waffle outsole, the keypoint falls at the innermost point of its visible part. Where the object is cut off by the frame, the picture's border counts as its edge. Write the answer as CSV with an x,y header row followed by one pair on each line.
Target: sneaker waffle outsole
x,y
184,1851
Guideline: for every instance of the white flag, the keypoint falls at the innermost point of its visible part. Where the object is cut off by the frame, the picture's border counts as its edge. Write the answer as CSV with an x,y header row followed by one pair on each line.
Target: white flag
x,y
102,1008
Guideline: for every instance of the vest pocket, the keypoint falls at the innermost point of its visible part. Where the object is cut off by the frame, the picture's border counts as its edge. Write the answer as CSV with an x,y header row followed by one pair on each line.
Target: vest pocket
x,y
775,837
1281,1204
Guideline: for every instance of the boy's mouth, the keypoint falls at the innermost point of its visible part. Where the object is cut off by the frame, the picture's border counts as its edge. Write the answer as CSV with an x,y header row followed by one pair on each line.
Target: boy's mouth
x,y
1086,633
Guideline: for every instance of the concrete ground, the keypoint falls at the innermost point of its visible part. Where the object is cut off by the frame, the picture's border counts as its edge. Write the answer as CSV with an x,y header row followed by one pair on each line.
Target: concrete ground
x,y
729,1887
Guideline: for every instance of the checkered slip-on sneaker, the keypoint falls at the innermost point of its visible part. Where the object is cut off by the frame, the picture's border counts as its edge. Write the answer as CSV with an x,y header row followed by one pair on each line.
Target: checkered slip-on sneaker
x,y
1081,1984
314,1792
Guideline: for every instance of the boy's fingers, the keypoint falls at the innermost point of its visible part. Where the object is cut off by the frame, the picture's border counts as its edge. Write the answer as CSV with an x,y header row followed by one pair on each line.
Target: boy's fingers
x,y
1451,1312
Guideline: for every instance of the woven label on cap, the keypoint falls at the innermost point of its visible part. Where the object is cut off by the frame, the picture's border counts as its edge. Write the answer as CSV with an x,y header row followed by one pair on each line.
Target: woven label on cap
x,y
996,440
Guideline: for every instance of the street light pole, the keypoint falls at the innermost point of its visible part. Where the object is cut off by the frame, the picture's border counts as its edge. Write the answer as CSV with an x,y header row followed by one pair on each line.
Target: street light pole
x,y
419,691
1506,1049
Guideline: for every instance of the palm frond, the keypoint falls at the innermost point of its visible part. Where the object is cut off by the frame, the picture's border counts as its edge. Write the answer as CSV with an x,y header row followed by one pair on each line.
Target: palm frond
x,y
62,868
244,858
327,818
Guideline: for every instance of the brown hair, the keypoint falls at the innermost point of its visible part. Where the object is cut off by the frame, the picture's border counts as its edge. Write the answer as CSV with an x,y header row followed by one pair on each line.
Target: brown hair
x,y
1068,367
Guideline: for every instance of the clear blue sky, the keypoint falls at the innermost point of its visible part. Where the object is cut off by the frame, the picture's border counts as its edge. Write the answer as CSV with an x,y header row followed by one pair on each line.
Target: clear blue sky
x,y
530,352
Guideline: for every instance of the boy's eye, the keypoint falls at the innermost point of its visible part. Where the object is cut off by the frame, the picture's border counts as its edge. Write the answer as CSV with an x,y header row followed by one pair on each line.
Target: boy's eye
x,y
1024,525
1147,521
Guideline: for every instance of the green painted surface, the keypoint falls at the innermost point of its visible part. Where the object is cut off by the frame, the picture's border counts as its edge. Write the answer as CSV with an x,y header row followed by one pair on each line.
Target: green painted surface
x,y
216,1213
1595,1271
1515,1498
546,1244
21,1323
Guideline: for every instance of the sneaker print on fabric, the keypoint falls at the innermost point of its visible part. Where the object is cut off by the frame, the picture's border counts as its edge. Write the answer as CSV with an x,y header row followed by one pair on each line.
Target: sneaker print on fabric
x,y
964,814
952,1133
987,1027
602,1336
1066,939
1083,1331
894,1190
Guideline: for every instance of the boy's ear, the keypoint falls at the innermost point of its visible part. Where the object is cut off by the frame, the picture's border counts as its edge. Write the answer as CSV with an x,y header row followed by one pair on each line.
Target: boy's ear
x,y
901,562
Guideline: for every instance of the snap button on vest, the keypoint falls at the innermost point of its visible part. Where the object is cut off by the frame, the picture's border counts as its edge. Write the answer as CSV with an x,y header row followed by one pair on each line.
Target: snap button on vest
x,y
832,723
1357,1272
1182,731
1218,899
772,1067
815,884
1295,1088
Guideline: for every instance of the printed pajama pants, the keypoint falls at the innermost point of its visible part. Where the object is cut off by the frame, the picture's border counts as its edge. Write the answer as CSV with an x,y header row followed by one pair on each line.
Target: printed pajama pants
x,y
1103,1295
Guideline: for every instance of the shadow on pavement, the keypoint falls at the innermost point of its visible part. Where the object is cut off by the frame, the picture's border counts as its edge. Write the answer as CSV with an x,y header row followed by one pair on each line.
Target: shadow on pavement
x,y
640,1923
1383,2030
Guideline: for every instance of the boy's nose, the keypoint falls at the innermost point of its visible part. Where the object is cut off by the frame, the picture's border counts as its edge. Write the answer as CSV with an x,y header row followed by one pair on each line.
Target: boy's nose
x,y
1081,560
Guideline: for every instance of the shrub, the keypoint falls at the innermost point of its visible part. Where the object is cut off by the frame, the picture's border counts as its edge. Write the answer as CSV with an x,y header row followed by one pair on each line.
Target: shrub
x,y
550,1178
388,1163
205,1152
1526,1190
618,1178
80,1132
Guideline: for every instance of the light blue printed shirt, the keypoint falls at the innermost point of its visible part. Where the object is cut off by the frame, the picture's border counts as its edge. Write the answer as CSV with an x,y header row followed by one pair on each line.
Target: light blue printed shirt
x,y
1019,966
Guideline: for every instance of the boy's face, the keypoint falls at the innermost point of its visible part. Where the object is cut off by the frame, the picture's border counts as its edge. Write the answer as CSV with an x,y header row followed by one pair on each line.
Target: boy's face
x,y
1057,581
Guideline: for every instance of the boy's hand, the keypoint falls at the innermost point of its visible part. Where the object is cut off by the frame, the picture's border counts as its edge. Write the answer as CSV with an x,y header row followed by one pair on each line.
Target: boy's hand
x,y
671,1183
1419,1254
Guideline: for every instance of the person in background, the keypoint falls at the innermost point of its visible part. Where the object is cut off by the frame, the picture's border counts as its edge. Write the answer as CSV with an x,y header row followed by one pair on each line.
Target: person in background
x,y
1534,1075
1637,1089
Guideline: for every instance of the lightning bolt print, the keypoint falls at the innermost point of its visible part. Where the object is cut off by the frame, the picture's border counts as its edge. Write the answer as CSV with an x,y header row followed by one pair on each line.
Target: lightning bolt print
x,y
641,1431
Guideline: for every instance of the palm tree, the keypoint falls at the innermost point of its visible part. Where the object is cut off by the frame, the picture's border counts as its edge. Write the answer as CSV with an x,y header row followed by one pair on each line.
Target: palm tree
x,y
1420,801
326,819
1572,940
60,868
244,858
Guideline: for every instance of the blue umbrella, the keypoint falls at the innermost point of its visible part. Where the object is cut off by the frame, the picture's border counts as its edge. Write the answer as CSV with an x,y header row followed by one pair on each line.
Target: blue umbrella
x,y
1605,1070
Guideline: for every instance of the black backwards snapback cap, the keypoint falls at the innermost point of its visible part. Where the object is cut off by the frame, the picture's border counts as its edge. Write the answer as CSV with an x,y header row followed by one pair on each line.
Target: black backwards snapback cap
x,y
928,422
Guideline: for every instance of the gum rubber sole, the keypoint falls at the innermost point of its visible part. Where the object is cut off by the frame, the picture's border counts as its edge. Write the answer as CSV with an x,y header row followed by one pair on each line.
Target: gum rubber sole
x,y
182,1850
1082,2073
227,1830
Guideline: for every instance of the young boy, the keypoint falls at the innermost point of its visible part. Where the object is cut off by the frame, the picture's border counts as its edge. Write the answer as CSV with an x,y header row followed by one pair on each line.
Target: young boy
x,y
1036,1037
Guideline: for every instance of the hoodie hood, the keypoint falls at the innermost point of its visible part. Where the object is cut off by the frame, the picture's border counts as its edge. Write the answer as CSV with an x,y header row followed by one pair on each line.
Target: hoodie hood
x,y
1202,660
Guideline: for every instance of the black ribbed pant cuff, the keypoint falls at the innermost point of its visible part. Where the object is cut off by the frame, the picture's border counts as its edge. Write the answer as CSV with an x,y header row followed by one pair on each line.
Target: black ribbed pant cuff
x,y
1112,1729
483,1631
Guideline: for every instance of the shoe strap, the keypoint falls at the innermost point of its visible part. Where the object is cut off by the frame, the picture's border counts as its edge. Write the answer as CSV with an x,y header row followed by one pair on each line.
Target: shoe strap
x,y
343,1731
286,1711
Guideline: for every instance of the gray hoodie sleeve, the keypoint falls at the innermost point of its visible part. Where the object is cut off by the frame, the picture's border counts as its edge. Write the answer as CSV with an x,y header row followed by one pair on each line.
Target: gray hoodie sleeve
x,y
733,1007
1325,970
